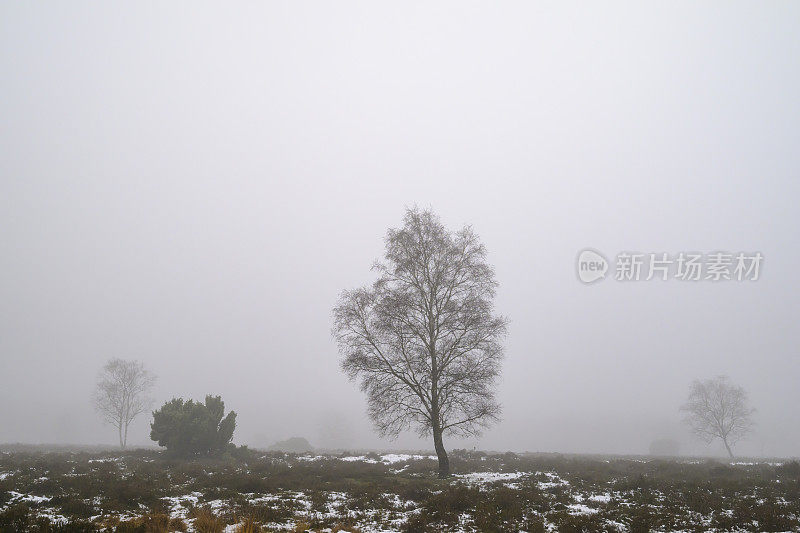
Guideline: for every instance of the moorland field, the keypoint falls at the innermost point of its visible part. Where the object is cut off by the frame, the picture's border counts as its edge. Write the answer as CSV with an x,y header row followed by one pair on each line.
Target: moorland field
x,y
249,491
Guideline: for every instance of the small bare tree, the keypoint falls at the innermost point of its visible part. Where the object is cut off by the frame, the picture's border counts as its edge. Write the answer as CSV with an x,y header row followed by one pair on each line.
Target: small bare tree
x,y
121,394
423,338
718,409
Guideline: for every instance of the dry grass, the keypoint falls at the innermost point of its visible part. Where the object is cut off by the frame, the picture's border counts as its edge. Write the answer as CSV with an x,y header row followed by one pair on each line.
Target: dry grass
x,y
301,527
344,529
153,523
249,526
205,521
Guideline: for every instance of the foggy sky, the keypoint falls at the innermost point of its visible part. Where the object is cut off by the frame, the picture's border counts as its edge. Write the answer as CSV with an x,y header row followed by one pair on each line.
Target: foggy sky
x,y
193,184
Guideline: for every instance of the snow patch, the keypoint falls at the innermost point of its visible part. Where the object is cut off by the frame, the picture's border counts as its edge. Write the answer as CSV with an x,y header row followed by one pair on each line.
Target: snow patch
x,y
579,508
391,458
600,498
19,497
490,477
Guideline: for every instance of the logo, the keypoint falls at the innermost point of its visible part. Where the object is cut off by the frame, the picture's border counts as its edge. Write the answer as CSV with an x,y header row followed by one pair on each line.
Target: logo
x,y
591,266
684,266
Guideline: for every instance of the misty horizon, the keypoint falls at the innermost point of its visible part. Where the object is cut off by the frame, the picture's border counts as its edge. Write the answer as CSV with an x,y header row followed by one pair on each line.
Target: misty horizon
x,y
194,189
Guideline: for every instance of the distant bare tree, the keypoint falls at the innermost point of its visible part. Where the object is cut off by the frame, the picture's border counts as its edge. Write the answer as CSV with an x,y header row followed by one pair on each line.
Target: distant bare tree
x,y
718,409
423,338
121,394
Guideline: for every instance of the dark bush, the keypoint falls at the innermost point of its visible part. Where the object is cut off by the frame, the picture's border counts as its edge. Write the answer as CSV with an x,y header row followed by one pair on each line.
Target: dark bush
x,y
189,428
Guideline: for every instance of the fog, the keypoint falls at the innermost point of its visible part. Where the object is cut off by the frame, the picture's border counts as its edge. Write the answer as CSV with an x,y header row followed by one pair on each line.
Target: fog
x,y
192,186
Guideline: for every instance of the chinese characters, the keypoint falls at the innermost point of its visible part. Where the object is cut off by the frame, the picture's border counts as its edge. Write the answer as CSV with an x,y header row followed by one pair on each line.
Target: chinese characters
x,y
688,266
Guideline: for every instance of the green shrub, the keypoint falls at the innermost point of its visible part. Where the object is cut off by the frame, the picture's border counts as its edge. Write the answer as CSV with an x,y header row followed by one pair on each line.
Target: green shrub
x,y
188,428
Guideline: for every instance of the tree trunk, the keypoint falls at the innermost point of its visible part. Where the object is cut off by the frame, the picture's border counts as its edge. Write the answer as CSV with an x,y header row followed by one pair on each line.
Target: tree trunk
x,y
444,462
730,453
125,438
119,431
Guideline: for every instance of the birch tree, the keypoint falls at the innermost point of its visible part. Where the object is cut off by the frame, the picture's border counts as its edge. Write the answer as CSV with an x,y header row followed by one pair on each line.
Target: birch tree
x,y
122,394
717,409
423,339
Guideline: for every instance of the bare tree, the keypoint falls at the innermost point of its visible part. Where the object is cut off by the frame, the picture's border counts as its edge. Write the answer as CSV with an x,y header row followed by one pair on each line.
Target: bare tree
x,y
121,394
718,409
423,339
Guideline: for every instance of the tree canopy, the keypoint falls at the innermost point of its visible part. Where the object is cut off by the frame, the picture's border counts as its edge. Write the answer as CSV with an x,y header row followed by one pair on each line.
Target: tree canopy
x,y
121,394
424,339
718,409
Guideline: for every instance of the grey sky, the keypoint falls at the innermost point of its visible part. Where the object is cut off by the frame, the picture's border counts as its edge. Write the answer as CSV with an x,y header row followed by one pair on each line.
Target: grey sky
x,y
192,184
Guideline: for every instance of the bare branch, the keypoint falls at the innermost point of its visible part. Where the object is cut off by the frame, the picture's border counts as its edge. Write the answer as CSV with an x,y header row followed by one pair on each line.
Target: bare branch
x,y
424,340
121,394
717,409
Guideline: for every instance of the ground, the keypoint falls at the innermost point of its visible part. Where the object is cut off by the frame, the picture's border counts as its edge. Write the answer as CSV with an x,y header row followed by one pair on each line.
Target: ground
x,y
252,491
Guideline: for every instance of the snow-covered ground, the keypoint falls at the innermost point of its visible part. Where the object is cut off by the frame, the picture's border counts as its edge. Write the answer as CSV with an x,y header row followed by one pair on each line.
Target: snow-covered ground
x,y
391,458
491,477
553,493
17,497
387,458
